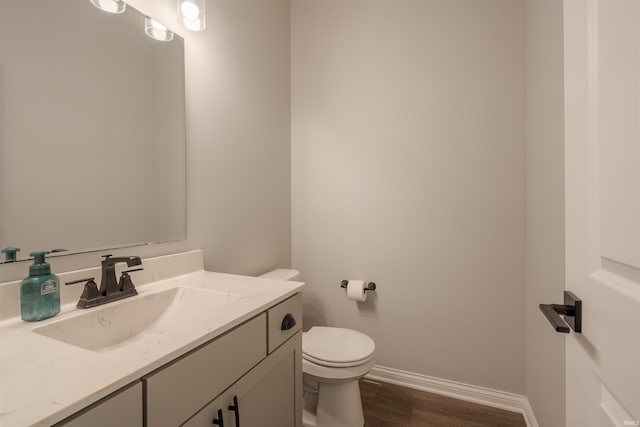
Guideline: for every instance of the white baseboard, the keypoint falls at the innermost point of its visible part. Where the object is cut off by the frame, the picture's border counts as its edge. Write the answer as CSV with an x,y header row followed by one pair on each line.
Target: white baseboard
x,y
529,416
471,393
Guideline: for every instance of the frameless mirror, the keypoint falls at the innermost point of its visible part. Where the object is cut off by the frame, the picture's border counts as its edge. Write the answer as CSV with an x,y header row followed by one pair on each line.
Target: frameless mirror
x,y
92,129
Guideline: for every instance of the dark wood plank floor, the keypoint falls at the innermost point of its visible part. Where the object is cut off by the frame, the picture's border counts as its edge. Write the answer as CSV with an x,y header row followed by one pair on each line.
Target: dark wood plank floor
x,y
387,405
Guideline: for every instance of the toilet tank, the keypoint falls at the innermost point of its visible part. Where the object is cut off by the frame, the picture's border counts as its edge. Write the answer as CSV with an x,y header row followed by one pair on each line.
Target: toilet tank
x,y
282,274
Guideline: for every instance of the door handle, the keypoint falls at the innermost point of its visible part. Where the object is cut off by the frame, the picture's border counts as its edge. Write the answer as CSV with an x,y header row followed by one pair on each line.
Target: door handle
x,y
571,310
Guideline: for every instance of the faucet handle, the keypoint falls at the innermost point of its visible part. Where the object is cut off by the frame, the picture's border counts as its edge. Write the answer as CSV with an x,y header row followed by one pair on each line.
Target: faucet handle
x,y
126,284
90,294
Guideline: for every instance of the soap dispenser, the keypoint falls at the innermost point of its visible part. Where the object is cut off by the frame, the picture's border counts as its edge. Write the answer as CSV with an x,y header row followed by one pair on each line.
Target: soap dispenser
x,y
40,292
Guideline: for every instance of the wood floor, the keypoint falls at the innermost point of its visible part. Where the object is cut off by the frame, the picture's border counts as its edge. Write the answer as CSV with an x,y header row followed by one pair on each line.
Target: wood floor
x,y
387,405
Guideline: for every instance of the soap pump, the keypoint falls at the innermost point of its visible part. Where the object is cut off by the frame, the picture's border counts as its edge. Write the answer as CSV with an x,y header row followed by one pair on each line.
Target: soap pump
x,y
40,292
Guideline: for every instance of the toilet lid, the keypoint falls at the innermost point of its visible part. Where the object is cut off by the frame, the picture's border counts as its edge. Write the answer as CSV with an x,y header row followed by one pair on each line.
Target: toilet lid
x,y
337,346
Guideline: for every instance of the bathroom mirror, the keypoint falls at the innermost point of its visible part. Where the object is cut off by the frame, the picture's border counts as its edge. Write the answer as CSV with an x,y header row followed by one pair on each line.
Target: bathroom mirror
x,y
92,129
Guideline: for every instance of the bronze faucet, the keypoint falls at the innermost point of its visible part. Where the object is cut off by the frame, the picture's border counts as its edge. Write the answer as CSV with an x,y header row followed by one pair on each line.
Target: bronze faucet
x,y
110,289
109,283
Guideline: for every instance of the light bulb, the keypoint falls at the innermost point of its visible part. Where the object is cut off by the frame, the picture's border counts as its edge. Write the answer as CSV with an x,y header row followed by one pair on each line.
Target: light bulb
x,y
193,24
189,10
156,30
111,6
192,14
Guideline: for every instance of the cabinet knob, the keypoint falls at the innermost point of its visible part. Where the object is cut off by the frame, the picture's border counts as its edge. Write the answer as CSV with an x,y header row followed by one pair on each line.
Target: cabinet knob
x,y
219,421
288,322
236,409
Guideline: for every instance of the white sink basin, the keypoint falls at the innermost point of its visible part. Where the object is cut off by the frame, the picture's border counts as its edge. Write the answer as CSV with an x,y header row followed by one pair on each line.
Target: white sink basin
x,y
123,322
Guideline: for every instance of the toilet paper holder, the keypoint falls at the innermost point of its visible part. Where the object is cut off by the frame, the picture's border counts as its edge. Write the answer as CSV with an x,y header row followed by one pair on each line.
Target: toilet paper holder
x,y
370,286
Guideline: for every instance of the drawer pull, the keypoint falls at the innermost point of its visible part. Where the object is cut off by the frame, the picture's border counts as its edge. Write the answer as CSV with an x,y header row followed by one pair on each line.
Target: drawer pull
x,y
288,322
236,409
219,421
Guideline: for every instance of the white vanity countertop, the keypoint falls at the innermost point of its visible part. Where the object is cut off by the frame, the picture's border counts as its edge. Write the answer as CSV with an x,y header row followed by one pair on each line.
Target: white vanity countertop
x,y
43,380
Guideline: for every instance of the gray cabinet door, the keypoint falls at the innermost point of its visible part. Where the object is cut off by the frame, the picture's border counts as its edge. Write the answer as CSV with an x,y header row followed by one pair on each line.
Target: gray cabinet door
x,y
181,389
270,395
266,397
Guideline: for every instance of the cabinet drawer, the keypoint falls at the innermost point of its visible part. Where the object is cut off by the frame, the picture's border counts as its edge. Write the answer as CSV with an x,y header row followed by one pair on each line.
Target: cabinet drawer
x,y
276,315
178,391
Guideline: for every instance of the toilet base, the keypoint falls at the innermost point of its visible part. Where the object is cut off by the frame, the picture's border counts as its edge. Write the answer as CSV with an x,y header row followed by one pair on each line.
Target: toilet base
x,y
338,405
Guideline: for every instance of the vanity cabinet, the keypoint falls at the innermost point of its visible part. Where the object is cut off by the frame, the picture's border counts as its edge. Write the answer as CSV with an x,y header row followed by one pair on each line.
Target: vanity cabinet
x,y
250,377
123,408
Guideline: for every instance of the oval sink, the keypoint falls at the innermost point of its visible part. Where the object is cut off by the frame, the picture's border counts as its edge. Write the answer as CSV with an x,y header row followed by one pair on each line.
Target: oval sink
x,y
118,323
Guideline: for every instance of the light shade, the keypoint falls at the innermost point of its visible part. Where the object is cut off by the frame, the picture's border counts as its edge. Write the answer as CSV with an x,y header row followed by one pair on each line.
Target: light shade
x,y
192,14
111,6
156,30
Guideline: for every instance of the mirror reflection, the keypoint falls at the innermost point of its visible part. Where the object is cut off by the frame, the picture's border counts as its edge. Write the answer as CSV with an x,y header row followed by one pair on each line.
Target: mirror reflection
x,y
92,120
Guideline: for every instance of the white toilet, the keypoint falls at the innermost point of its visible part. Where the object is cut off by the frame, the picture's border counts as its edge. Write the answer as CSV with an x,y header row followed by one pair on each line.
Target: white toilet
x,y
333,360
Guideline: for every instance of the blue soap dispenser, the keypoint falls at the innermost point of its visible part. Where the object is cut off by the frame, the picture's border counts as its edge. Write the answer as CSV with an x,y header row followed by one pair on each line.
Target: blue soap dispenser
x,y
40,292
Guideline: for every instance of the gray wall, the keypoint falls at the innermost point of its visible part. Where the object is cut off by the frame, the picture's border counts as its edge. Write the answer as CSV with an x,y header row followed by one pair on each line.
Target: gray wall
x,y
238,109
545,208
408,169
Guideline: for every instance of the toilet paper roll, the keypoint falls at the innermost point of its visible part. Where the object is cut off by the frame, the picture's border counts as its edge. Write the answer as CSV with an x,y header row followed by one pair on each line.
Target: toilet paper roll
x,y
355,290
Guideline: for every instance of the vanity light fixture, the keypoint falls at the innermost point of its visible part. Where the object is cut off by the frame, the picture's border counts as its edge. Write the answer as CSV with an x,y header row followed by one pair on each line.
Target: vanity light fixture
x,y
111,6
192,14
156,30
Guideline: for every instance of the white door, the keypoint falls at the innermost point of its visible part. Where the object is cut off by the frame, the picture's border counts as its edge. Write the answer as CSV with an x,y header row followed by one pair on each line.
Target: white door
x,y
602,149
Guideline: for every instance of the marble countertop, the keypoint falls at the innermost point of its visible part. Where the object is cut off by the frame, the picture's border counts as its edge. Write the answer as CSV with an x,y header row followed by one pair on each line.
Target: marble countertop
x,y
43,380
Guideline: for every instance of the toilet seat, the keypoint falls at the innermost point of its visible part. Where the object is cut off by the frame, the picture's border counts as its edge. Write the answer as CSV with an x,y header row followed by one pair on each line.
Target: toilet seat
x,y
337,347
328,374
330,364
